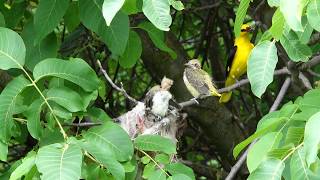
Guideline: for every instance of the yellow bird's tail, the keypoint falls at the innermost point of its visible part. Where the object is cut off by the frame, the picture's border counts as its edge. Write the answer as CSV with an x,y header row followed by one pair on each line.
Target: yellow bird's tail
x,y
225,97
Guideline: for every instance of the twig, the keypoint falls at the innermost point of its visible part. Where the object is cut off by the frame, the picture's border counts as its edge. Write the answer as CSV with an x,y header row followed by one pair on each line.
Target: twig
x,y
114,85
84,124
305,81
275,105
203,7
313,73
232,87
314,61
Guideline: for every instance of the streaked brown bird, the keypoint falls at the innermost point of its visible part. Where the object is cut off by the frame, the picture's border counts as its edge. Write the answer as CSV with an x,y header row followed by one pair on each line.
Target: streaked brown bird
x,y
198,81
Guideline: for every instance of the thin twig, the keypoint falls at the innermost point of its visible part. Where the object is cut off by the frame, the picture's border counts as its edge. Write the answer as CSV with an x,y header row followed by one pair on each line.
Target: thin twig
x,y
120,89
84,124
275,105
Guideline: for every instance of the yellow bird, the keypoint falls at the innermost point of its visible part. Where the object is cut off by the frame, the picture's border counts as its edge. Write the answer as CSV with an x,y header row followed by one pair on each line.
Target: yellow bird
x,y
237,60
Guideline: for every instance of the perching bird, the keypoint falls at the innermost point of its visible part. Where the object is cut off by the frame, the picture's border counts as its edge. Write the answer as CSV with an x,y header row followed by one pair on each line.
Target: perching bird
x,y
198,81
237,60
158,97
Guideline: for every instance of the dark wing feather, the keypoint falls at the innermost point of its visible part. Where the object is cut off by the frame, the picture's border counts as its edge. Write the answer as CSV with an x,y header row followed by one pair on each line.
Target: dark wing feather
x,y
230,59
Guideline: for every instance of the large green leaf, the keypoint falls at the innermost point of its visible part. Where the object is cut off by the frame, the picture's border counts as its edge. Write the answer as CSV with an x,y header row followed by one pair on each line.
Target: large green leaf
x,y
116,35
313,14
111,136
312,138
157,175
268,169
72,18
270,127
261,65
275,3
132,6
66,98
75,70
133,51
298,167
106,157
12,49
179,168
3,151
157,37
47,17
277,24
294,135
294,48
47,47
158,12
259,150
110,9
305,35
13,14
179,177
155,143
7,103
241,14
310,100
59,161
33,117
27,163
292,12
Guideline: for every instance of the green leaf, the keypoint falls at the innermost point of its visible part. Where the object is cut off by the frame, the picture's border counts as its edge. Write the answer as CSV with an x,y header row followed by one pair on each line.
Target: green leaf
x,y
312,138
162,158
110,9
240,15
157,175
47,17
33,117
12,49
177,5
310,100
259,150
50,137
179,168
280,153
7,103
179,177
111,135
292,12
268,169
59,161
133,51
277,24
13,14
274,3
261,65
72,18
313,14
3,151
158,12
294,135
298,166
66,98
148,170
131,7
294,48
27,163
105,156
157,37
98,114
75,70
47,47
2,20
262,131
304,36
116,35
155,143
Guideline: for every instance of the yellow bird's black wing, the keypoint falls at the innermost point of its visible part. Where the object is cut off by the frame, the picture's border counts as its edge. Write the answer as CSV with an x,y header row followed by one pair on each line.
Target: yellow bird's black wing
x,y
230,59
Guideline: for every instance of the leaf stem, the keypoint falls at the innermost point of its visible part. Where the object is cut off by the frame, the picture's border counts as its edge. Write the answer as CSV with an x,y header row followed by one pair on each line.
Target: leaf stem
x,y
146,154
45,100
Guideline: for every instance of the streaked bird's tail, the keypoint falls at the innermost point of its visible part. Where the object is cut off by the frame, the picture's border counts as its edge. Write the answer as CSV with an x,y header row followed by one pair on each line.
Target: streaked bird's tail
x,y
225,97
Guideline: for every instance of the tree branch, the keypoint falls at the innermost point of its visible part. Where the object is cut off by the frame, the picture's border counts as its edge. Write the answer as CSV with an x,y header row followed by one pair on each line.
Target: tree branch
x,y
122,90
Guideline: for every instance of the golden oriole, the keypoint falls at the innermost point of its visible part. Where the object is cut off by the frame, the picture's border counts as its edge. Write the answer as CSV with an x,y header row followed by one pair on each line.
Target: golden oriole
x,y
237,60
198,81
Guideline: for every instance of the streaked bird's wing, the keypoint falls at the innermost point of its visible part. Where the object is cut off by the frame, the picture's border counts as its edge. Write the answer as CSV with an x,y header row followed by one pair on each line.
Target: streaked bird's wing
x,y
230,59
199,83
